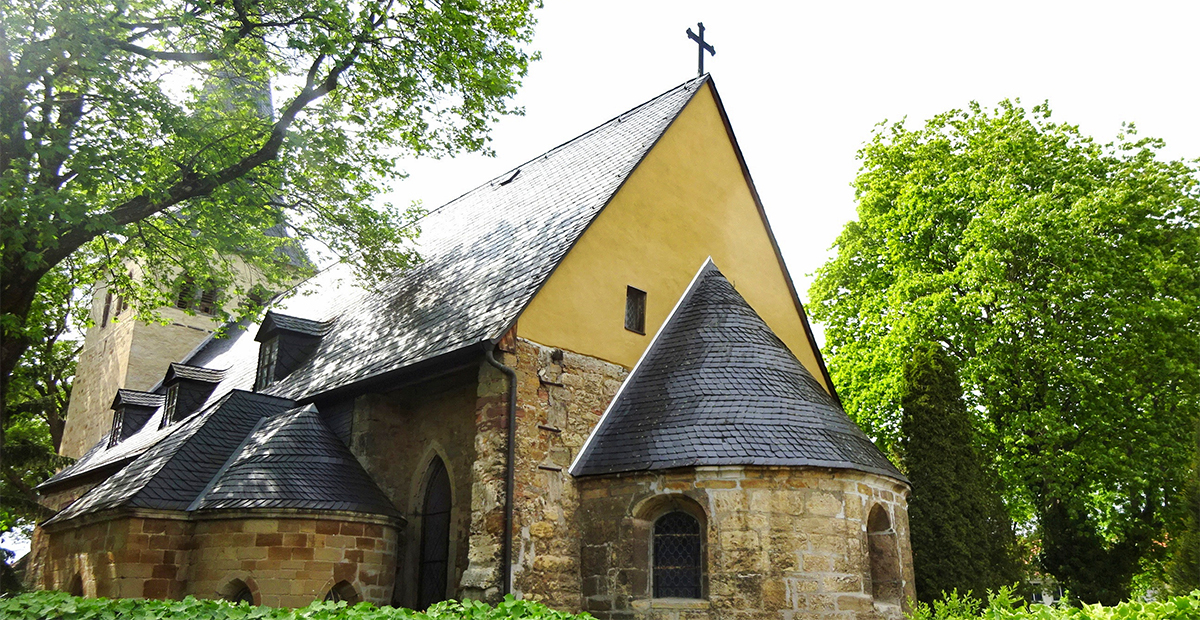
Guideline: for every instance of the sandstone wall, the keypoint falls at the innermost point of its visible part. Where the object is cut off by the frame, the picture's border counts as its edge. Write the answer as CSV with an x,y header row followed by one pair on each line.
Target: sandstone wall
x,y
128,557
560,398
291,562
781,543
396,436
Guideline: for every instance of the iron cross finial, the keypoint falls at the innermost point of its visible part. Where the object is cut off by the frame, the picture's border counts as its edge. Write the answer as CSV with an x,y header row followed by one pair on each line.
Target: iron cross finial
x,y
704,47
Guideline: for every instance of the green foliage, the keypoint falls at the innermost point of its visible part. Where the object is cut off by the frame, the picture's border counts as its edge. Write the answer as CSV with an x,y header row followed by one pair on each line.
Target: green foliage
x,y
1002,605
140,133
61,606
962,536
1064,278
1183,567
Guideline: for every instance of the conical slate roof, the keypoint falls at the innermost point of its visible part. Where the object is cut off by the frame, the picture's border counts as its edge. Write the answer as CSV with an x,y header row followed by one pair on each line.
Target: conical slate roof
x,y
718,387
293,461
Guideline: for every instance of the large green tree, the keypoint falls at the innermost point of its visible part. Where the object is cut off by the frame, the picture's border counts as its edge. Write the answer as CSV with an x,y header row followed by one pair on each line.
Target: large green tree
x,y
961,533
1063,275
140,133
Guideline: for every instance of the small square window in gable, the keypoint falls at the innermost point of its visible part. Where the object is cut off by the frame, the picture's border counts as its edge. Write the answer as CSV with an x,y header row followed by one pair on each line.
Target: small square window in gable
x,y
635,310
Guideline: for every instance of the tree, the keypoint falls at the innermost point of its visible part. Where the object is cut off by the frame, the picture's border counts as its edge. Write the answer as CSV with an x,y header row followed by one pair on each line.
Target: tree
x,y
1183,568
962,536
134,133
1064,278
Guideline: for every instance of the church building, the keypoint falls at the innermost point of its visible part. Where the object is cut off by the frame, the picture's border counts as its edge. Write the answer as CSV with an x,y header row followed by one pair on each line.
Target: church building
x,y
598,390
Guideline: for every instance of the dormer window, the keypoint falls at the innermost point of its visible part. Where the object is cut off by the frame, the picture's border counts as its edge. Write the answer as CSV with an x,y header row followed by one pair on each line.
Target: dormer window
x,y
187,389
288,342
268,354
131,410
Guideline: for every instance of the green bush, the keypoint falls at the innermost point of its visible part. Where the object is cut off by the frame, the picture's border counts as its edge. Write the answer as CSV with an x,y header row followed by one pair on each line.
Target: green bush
x,y
61,606
1003,605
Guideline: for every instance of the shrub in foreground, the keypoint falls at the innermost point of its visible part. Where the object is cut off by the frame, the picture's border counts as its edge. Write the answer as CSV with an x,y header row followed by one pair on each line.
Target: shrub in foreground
x,y
1003,605
60,606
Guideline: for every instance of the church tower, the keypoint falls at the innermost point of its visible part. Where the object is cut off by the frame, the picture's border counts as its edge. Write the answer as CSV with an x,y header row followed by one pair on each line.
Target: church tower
x,y
120,352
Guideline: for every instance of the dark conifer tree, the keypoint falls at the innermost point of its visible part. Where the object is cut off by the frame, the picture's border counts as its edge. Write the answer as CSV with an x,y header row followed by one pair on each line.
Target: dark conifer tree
x,y
962,536
1184,565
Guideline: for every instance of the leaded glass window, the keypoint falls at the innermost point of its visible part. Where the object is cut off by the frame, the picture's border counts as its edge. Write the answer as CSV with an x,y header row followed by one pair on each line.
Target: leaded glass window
x,y
677,556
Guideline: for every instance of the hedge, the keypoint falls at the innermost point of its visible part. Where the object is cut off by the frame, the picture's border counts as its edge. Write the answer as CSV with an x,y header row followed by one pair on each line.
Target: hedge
x,y
1000,606
61,606
1003,605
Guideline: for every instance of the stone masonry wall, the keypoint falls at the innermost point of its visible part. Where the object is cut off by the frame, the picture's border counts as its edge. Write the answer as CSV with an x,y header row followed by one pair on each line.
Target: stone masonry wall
x,y
128,557
396,436
781,543
291,562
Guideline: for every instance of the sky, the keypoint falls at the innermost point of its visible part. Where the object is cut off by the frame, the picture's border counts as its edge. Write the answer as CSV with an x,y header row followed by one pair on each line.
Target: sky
x,y
805,83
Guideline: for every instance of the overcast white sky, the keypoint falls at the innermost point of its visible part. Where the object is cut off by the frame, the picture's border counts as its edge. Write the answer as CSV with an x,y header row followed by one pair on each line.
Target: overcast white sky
x,y
804,83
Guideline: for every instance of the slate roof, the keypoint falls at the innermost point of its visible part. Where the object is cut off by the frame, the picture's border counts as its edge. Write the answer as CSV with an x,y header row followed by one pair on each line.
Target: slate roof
x,y
295,461
717,387
195,373
275,320
484,256
138,399
244,445
170,474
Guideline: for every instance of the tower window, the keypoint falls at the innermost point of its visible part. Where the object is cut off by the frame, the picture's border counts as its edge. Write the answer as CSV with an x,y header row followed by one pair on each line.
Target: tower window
x,y
635,310
268,353
208,299
187,293
677,556
108,298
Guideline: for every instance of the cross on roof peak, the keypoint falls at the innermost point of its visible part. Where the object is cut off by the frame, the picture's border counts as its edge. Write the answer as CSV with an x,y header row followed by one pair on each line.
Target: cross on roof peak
x,y
704,47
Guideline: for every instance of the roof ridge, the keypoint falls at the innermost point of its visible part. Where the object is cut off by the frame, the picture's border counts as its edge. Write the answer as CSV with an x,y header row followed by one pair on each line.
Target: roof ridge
x,y
560,146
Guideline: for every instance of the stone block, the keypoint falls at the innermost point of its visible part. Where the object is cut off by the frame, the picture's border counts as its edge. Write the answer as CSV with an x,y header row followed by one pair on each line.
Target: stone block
x,y
859,603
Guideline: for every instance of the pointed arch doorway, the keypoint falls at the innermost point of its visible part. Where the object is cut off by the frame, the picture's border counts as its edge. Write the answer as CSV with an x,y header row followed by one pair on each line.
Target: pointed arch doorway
x,y
435,536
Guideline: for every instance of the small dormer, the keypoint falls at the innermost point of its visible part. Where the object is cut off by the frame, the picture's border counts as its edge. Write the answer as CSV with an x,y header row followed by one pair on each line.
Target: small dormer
x,y
287,342
187,387
131,410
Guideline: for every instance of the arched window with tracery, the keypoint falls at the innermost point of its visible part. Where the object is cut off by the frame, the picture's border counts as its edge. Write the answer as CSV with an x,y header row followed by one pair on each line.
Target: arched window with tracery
x,y
887,586
343,591
678,556
435,536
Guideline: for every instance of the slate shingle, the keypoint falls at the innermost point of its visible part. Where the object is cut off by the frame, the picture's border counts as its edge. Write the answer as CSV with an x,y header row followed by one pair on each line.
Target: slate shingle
x,y
718,387
295,461
172,472
138,399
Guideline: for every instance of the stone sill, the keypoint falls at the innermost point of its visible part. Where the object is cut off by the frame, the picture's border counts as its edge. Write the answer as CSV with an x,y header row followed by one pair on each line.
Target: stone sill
x,y
672,603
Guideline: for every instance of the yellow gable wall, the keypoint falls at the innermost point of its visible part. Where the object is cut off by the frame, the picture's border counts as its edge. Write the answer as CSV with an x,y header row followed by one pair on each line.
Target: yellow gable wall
x,y
686,201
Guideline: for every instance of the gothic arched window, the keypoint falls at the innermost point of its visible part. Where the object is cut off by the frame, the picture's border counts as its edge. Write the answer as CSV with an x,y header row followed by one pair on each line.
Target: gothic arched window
x,y
678,556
